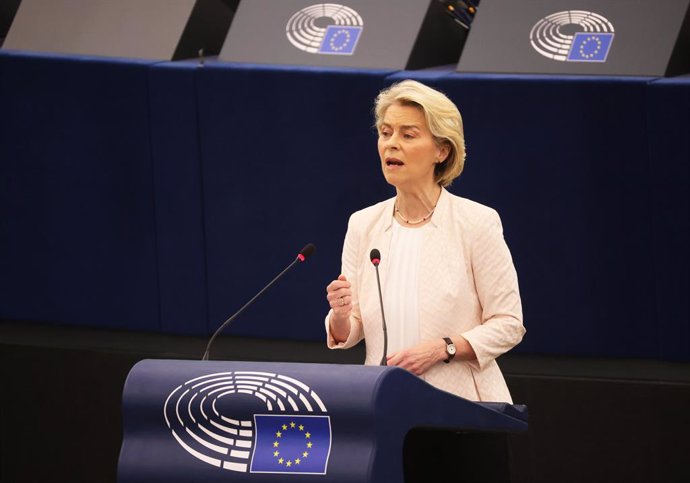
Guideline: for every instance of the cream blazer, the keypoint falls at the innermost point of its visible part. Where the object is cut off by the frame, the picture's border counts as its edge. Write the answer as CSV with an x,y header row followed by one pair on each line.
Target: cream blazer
x,y
467,286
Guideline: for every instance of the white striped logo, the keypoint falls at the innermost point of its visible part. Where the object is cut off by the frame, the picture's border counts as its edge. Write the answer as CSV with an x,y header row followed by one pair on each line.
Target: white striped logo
x,y
572,36
325,28
195,413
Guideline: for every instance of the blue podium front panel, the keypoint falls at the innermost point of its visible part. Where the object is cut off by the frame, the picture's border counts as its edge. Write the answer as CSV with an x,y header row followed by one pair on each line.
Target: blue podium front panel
x,y
257,422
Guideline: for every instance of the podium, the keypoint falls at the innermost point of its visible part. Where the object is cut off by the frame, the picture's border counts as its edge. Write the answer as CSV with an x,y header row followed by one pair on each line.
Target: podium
x,y
213,421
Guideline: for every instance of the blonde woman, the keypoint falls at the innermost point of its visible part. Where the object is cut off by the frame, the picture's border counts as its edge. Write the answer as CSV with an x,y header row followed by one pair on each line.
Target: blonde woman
x,y
450,290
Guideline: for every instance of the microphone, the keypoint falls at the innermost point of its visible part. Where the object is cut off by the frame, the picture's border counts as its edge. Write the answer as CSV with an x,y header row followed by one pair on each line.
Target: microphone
x,y
304,253
375,257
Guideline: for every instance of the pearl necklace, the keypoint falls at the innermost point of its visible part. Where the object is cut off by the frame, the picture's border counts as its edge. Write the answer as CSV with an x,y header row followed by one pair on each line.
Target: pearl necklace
x,y
415,222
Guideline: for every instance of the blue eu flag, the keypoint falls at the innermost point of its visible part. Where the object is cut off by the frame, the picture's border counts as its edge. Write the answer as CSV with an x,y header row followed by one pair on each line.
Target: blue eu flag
x,y
291,444
590,47
340,40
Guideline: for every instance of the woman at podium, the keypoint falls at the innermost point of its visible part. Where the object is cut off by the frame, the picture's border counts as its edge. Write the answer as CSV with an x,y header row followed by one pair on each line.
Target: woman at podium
x,y
449,288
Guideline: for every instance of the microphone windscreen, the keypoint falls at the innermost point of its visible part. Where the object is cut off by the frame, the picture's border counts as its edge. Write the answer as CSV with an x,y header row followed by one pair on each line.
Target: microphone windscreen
x,y
375,256
307,251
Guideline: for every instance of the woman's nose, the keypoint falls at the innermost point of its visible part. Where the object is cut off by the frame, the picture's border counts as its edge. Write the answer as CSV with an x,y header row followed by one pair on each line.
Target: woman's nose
x,y
392,141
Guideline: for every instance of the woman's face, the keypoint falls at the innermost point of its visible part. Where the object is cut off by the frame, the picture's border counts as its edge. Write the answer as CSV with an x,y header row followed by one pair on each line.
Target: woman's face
x,y
407,148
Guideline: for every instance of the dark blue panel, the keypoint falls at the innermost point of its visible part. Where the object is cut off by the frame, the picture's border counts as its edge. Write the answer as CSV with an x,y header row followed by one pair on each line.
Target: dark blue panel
x,y
564,161
77,240
348,418
236,167
669,131
287,155
179,214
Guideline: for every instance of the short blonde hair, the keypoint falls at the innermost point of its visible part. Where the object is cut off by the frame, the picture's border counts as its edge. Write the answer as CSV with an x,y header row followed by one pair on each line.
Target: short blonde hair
x,y
442,117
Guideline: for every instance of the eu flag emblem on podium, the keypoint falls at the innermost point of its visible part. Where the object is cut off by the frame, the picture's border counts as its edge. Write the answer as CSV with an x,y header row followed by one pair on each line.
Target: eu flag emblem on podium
x,y
590,47
291,444
340,40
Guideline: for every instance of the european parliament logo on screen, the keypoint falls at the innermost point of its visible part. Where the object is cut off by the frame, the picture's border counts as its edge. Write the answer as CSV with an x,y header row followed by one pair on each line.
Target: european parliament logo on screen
x,y
251,422
326,29
573,36
590,47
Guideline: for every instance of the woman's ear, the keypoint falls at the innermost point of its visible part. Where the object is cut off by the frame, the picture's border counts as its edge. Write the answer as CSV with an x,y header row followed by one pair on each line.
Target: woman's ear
x,y
443,152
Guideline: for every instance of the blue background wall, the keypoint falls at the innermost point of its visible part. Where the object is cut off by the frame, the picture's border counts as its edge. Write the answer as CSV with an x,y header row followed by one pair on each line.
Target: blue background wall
x,y
161,196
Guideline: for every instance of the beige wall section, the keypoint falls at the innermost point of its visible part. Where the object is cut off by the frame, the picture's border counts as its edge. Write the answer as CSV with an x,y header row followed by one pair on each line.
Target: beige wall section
x,y
145,29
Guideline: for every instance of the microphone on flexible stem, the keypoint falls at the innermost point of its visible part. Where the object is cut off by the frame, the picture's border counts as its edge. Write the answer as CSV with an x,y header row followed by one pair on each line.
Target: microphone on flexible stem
x,y
375,257
305,253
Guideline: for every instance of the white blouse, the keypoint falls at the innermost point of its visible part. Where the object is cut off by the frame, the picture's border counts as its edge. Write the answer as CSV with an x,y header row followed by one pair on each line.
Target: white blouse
x,y
401,287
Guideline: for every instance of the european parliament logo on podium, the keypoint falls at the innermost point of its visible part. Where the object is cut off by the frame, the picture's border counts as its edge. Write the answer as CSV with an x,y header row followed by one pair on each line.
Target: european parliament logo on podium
x,y
291,444
251,422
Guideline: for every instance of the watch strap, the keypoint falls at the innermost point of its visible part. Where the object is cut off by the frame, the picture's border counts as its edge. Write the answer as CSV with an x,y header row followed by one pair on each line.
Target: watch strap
x,y
448,354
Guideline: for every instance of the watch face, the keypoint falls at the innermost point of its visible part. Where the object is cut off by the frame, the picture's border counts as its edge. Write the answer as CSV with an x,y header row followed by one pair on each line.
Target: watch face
x,y
451,349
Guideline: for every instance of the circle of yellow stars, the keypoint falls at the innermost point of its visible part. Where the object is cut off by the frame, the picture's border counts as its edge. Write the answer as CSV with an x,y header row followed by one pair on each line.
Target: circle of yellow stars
x,y
336,48
589,39
289,463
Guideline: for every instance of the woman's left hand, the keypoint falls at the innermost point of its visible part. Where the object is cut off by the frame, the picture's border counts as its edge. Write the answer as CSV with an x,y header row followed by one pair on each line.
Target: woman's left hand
x,y
418,359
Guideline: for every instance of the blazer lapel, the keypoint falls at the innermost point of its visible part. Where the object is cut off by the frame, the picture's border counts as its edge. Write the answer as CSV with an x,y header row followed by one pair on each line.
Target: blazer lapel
x,y
437,269
379,238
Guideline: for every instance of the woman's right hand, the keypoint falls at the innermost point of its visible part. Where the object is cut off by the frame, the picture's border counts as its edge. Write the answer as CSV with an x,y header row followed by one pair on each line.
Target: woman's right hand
x,y
339,296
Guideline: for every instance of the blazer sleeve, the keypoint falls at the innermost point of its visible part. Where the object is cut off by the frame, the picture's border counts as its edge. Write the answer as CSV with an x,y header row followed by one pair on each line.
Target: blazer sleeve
x,y
496,283
350,270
